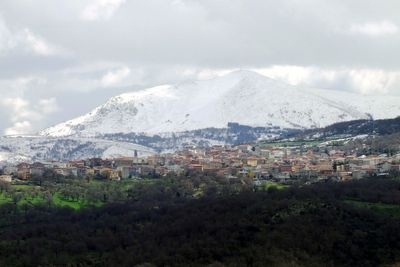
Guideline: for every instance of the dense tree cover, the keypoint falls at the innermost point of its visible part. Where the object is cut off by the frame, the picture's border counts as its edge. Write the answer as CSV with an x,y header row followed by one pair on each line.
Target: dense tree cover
x,y
357,127
53,189
299,226
381,136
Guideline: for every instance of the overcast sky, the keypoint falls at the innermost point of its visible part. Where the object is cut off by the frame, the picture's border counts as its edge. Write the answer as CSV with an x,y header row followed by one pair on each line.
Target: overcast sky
x,y
60,59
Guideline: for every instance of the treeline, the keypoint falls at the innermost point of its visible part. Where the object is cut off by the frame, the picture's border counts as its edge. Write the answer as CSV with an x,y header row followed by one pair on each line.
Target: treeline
x,y
357,127
299,226
389,144
97,190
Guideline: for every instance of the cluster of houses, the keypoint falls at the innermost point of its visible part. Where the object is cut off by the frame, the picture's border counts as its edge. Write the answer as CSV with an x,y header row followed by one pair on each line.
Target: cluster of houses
x,y
286,164
282,164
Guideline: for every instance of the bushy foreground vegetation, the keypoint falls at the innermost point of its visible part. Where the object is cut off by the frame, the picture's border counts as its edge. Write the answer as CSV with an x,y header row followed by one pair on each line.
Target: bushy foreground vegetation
x,y
54,190
317,225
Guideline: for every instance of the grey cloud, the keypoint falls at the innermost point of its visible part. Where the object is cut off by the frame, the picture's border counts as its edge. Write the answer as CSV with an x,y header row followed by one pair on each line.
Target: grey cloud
x,y
224,33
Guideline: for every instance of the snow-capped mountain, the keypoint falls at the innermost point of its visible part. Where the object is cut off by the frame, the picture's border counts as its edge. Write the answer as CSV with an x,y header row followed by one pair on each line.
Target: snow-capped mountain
x,y
240,107
242,97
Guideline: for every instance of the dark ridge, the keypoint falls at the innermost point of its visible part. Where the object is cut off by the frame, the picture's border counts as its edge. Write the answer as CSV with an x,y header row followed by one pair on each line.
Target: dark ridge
x,y
357,127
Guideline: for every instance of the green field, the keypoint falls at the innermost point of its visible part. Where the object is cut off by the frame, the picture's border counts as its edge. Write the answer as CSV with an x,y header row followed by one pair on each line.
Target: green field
x,y
269,184
4,199
382,208
60,201
39,199
28,194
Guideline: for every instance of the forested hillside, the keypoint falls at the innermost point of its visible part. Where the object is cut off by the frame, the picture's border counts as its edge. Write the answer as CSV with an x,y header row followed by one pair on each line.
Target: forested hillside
x,y
355,223
359,127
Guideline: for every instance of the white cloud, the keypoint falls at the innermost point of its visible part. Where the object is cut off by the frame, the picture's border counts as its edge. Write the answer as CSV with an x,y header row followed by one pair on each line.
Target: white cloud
x,y
23,114
101,9
364,81
375,29
375,81
38,45
19,128
14,88
17,107
7,41
97,76
15,103
27,81
26,40
290,74
115,77
47,106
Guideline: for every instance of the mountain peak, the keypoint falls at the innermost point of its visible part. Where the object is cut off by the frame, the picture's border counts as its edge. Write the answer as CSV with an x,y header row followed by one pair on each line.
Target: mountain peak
x,y
242,73
160,90
242,96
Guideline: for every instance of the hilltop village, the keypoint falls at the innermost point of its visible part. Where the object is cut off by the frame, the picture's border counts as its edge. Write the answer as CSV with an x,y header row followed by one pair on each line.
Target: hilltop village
x,y
281,164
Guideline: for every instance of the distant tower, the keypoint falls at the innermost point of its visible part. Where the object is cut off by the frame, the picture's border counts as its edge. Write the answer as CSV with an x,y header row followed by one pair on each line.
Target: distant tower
x,y
285,154
135,153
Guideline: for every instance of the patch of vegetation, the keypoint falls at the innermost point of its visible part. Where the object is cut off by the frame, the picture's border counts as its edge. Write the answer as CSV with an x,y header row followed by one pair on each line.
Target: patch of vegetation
x,y
294,143
382,208
77,193
61,201
5,199
162,224
272,185
23,186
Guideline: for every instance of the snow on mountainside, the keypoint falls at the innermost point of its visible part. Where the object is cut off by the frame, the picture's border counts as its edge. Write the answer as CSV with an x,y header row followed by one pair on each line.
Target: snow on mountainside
x,y
242,97
36,148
